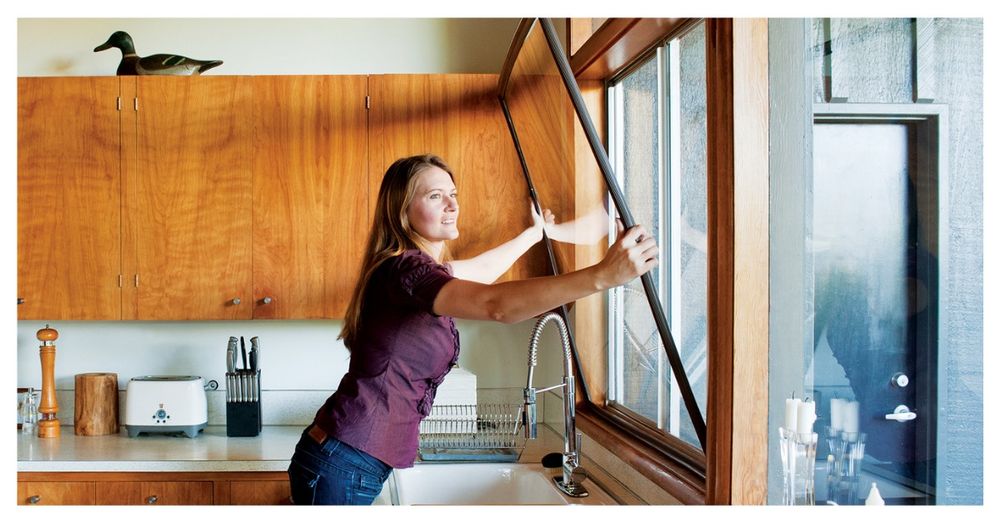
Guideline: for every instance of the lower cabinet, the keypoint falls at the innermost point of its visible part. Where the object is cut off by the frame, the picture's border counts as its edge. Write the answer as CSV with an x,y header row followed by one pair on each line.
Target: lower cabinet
x,y
152,488
55,492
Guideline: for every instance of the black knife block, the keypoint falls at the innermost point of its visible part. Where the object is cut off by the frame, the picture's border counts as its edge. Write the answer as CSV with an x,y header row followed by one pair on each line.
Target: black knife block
x,y
243,418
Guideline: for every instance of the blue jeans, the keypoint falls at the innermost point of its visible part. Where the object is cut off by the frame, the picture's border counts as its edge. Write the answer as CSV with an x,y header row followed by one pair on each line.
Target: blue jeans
x,y
334,473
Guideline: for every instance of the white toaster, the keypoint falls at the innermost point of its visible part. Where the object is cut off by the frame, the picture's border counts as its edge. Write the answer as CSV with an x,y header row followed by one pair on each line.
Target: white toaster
x,y
165,404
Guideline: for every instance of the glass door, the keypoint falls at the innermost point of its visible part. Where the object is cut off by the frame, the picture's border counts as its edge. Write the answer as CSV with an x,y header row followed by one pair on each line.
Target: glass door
x,y
874,243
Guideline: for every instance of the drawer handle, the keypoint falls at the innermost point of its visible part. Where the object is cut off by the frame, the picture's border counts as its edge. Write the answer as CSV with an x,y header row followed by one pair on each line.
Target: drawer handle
x,y
34,500
151,500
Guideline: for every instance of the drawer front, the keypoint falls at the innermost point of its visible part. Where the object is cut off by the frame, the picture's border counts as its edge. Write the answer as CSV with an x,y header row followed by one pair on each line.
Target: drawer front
x,y
260,492
177,492
55,493
119,493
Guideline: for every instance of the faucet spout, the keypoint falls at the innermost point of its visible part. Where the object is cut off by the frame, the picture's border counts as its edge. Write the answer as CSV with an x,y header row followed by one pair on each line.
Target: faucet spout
x,y
572,474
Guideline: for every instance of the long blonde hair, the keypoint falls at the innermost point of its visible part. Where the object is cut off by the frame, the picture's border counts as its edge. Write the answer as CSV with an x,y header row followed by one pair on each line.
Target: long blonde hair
x,y
391,233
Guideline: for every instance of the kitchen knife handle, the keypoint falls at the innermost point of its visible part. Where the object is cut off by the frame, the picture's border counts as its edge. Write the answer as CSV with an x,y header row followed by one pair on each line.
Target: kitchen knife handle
x,y
255,347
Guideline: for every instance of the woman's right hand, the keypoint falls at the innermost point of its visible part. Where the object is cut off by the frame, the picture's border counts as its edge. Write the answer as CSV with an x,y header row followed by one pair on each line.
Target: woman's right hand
x,y
634,254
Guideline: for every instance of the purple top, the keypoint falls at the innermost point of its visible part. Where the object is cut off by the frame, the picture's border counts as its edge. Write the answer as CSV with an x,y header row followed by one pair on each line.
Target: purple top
x,y
403,352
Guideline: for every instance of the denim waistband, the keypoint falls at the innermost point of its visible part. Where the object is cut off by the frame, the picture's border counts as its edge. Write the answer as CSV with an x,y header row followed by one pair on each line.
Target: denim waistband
x,y
330,446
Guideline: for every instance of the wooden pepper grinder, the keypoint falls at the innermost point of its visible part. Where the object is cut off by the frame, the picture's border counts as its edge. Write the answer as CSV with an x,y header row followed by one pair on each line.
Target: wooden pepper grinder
x,y
48,425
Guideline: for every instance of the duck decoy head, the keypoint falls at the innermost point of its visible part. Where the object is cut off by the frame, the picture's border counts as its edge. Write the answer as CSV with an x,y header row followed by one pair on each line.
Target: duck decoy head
x,y
119,39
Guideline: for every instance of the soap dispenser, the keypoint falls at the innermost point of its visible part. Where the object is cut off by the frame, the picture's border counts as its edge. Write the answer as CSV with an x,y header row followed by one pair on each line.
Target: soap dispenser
x,y
874,497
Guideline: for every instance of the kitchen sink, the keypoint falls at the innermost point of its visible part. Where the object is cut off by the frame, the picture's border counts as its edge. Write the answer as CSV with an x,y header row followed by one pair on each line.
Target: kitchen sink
x,y
481,484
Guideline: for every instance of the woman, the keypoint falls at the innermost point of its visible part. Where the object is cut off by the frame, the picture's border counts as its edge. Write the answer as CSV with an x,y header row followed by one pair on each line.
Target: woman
x,y
401,334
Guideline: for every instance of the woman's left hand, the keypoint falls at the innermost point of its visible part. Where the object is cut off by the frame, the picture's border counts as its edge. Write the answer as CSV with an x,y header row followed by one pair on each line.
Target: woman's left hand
x,y
539,223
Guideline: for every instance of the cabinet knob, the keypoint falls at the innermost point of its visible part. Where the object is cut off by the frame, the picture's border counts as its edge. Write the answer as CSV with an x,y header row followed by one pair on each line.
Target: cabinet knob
x,y
267,300
34,500
151,500
20,300
236,301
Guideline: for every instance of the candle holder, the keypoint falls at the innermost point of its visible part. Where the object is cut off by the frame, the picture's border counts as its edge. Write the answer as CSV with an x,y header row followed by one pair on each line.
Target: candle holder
x,y
843,475
798,462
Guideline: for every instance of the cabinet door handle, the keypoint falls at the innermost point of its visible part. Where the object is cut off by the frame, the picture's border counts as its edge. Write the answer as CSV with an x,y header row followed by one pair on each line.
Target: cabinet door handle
x,y
267,300
236,301
151,500
34,500
20,300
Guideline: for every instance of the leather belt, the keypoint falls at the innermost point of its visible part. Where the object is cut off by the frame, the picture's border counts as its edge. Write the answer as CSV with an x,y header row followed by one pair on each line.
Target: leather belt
x,y
317,434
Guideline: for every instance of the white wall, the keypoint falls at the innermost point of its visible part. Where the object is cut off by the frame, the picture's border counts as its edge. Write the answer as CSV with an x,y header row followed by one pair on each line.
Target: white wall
x,y
262,46
296,355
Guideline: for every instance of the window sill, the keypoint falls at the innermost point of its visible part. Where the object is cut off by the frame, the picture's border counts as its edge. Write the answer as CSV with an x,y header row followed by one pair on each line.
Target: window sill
x,y
666,472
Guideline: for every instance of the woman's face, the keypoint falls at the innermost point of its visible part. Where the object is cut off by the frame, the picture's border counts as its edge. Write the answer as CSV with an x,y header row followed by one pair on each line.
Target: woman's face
x,y
433,212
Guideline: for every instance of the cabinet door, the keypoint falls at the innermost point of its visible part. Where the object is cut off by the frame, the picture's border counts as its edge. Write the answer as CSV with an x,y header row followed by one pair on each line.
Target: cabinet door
x,y
55,493
310,194
177,492
68,199
458,118
260,492
188,196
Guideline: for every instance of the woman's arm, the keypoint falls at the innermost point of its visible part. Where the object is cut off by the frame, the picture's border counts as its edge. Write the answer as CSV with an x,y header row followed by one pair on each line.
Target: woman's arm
x,y
510,302
490,265
585,230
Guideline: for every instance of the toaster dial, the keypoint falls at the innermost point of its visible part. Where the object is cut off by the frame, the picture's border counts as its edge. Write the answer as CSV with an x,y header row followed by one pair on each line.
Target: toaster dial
x,y
161,416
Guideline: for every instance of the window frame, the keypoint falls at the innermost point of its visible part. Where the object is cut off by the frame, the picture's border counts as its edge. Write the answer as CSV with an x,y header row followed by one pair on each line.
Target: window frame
x,y
678,467
729,470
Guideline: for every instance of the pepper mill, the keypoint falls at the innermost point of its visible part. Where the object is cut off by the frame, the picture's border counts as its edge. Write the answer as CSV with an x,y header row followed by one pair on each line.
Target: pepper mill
x,y
48,425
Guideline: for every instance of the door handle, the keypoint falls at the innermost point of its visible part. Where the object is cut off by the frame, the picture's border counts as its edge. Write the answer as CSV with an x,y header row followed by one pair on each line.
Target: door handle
x,y
902,414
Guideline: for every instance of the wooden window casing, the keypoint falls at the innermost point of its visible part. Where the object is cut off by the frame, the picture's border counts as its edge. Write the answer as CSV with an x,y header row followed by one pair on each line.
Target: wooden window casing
x,y
731,470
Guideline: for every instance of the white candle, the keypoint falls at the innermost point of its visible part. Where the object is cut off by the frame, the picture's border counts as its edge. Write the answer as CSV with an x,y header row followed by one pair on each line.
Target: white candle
x,y
791,412
805,417
850,415
837,414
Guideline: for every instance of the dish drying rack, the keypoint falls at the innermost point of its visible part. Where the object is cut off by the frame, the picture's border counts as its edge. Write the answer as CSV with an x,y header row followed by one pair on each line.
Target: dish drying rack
x,y
482,432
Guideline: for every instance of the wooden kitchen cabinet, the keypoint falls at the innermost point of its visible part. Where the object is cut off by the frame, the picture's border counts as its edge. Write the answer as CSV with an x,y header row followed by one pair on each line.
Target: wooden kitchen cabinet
x,y
153,488
225,198
55,493
310,194
177,492
155,492
187,226
68,199
134,198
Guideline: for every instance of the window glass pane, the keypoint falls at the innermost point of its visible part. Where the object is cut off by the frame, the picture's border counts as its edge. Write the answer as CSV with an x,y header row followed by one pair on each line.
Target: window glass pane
x,y
690,223
640,183
659,132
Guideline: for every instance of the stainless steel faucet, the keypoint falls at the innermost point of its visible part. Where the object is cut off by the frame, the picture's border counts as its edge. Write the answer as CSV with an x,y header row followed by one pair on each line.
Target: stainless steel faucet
x,y
572,473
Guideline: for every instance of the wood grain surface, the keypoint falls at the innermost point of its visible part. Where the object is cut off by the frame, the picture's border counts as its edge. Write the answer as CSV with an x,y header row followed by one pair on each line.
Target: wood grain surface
x,y
189,198
68,199
95,397
310,193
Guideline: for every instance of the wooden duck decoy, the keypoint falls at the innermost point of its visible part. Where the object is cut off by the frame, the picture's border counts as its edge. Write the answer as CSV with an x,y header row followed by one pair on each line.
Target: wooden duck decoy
x,y
157,64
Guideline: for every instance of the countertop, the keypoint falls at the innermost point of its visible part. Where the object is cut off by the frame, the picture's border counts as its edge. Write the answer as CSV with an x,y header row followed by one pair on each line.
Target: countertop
x,y
210,451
